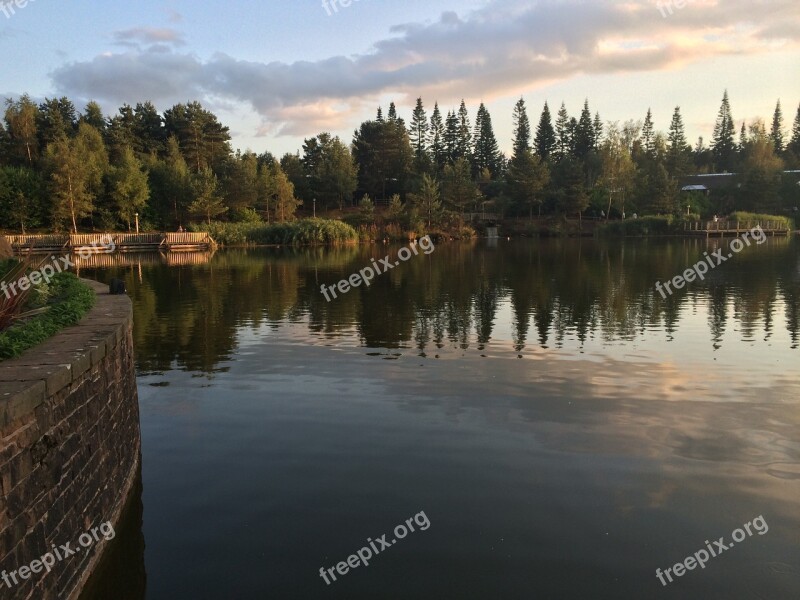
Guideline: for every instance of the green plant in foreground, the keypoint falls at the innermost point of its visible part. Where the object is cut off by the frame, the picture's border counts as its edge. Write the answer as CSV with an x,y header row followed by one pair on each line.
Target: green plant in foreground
x,y
69,299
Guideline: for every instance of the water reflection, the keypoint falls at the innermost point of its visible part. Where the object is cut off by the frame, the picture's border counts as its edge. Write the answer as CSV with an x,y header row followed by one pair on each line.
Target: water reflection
x,y
557,294
566,428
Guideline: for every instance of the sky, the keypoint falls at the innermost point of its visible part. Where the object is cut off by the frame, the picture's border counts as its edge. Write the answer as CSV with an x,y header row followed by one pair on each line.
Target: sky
x,y
277,72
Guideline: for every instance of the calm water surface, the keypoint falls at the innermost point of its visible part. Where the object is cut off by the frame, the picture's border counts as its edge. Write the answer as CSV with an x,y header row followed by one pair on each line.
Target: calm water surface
x,y
565,430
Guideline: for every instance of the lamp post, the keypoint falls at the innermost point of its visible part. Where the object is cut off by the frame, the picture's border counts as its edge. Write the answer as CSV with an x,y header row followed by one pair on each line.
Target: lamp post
x,y
137,222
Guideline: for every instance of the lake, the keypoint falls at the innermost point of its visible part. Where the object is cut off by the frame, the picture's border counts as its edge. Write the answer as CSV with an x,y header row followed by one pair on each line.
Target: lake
x,y
563,430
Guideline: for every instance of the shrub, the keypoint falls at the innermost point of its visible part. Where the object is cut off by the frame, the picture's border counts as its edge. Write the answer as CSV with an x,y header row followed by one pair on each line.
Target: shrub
x,y
68,300
307,232
651,225
745,217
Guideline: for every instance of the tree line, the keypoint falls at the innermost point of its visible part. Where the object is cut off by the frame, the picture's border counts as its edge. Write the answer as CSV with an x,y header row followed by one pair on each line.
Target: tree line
x,y
61,169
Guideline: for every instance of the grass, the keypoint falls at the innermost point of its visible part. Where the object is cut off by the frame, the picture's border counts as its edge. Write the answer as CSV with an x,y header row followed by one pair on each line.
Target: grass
x,y
745,217
306,232
652,225
67,301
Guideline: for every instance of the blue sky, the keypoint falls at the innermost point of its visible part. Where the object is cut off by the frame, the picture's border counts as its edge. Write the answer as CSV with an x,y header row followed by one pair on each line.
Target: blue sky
x,y
276,72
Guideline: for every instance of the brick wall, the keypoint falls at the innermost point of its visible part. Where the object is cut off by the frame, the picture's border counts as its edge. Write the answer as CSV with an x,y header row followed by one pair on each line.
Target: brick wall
x,y
69,448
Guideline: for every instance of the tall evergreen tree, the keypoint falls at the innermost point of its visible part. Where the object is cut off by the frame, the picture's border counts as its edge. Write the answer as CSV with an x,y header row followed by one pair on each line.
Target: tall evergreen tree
x,y
776,133
545,142
392,115
451,136
723,143
598,130
743,138
486,153
648,135
563,137
794,142
584,134
464,139
677,159
522,129
418,133
436,138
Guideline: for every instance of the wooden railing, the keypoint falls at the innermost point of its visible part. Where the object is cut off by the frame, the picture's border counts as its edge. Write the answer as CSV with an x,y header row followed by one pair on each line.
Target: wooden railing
x,y
121,241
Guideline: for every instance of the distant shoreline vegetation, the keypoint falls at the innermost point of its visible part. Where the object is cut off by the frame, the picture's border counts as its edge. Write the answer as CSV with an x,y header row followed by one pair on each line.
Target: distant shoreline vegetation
x,y
140,169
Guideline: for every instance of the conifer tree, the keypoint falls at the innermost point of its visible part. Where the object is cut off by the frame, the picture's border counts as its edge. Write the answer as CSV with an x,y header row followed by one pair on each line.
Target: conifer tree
x,y
794,143
648,135
676,153
584,134
392,115
464,139
563,137
598,130
451,136
723,144
486,154
776,133
436,138
522,129
419,136
545,141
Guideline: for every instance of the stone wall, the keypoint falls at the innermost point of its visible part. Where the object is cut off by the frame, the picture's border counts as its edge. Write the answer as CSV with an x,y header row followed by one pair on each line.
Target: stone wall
x,y
69,450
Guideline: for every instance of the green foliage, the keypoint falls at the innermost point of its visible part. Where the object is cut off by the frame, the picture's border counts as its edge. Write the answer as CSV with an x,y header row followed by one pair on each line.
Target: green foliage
x,y
245,215
748,217
68,300
649,225
306,232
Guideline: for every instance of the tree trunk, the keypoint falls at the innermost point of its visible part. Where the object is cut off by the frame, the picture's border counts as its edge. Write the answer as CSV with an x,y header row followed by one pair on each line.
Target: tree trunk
x,y
72,205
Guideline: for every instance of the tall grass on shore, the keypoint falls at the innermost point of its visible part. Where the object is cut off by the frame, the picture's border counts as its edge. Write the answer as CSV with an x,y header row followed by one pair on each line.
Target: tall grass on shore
x,y
306,232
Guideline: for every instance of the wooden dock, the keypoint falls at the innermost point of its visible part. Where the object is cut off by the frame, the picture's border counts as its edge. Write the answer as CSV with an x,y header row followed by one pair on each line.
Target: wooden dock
x,y
734,228
98,243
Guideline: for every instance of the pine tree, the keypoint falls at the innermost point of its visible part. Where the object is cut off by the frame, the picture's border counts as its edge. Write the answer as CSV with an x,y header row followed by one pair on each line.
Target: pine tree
x,y
392,115
676,153
436,138
419,135
598,130
522,130
584,134
451,136
545,141
743,138
794,143
486,152
379,116
464,139
723,143
563,137
776,134
648,135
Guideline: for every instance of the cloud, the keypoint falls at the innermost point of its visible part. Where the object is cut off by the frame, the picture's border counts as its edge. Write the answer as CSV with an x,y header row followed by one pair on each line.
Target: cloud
x,y
504,48
137,36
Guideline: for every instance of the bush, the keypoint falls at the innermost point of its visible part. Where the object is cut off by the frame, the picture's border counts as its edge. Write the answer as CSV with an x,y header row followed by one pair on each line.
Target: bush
x,y
68,300
307,232
745,217
659,225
